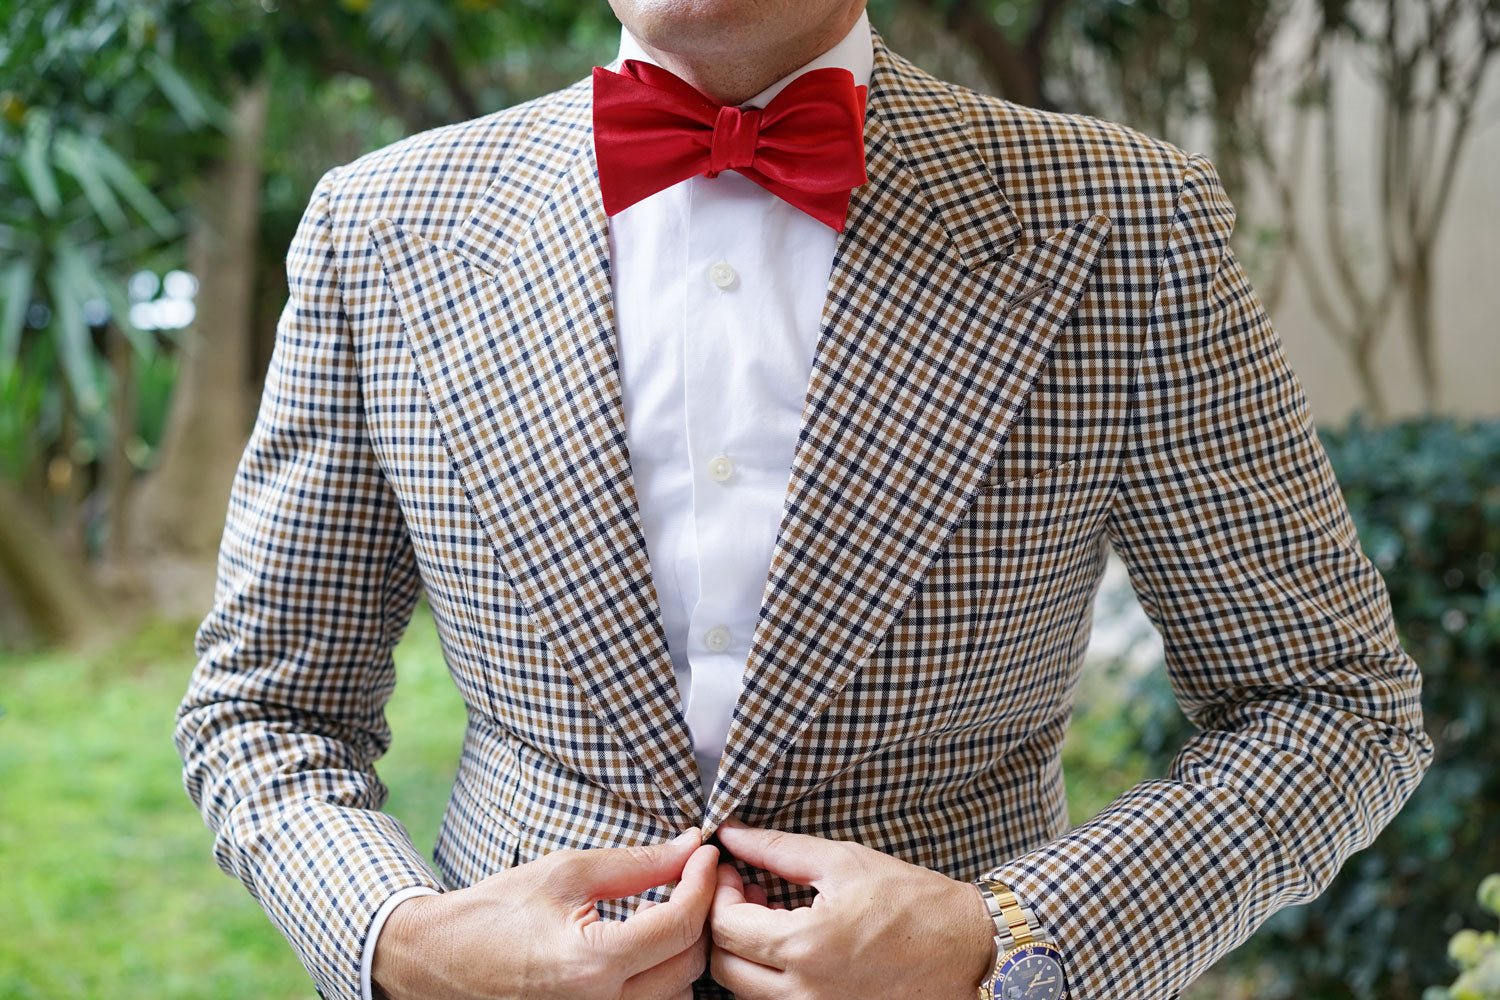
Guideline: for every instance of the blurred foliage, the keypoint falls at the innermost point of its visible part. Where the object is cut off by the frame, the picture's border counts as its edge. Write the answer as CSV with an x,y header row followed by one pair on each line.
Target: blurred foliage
x,y
1101,753
115,121
1477,955
1425,496
113,890
23,411
1183,57
111,110
79,208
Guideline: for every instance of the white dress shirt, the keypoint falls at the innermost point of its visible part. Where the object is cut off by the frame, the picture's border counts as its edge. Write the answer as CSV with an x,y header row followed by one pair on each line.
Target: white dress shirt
x,y
718,288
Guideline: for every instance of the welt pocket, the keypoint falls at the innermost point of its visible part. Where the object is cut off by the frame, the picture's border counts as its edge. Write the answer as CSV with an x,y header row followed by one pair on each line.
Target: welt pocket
x,y
1019,512
1062,473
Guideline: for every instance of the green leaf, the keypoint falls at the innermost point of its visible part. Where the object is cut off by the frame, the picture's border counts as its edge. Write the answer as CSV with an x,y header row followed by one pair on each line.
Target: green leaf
x,y
195,108
71,335
81,275
92,282
73,157
119,174
35,166
15,288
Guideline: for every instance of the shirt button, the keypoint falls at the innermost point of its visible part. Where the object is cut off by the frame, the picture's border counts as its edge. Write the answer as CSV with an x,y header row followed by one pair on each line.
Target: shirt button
x,y
721,274
720,468
717,638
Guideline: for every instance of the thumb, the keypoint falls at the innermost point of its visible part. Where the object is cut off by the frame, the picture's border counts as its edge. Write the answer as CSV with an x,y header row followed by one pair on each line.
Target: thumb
x,y
613,872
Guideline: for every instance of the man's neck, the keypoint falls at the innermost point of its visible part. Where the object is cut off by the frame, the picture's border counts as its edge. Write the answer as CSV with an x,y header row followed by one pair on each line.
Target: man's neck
x,y
734,77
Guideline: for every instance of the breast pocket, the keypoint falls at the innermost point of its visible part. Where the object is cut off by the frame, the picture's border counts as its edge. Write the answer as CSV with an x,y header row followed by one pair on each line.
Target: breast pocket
x,y
1020,517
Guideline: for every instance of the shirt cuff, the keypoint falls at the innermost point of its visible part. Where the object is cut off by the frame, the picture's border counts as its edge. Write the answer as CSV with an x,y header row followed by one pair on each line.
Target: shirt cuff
x,y
376,924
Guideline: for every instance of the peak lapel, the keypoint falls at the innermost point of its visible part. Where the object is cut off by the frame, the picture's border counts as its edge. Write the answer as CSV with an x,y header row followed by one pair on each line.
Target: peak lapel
x,y
933,332
512,329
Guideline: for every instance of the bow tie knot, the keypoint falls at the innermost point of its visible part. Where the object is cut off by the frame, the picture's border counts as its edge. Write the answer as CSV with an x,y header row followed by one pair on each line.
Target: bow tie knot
x,y
652,129
736,131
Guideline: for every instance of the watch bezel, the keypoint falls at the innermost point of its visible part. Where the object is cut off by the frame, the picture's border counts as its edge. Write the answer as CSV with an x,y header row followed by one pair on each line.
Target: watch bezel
x,y
1003,964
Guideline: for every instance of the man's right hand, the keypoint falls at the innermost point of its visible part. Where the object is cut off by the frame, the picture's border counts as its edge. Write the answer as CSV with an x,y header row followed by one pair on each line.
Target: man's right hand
x,y
533,932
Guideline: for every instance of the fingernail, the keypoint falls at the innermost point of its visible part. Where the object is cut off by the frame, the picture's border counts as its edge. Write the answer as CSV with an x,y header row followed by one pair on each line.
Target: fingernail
x,y
686,835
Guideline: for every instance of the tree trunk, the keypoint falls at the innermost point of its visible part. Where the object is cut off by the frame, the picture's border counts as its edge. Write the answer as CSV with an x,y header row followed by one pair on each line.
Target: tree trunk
x,y
117,473
52,588
177,515
1019,69
1363,360
1423,328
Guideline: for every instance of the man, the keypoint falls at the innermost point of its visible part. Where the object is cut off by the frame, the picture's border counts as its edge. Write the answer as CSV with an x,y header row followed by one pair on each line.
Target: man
x,y
756,416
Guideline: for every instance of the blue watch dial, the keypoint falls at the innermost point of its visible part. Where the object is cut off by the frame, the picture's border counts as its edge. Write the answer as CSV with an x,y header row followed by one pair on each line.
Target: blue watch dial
x,y
1032,972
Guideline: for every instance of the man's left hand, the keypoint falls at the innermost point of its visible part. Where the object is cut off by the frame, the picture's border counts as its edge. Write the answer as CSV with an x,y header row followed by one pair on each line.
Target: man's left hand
x,y
877,927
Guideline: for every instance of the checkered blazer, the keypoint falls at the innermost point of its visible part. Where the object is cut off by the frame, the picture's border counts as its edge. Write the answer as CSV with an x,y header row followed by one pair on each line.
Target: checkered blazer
x,y
1037,344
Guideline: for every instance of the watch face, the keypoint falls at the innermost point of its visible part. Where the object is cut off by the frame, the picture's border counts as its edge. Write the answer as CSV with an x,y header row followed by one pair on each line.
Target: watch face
x,y
1032,972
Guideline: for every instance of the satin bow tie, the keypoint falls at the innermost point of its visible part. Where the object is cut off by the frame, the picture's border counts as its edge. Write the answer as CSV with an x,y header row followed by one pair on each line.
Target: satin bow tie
x,y
653,129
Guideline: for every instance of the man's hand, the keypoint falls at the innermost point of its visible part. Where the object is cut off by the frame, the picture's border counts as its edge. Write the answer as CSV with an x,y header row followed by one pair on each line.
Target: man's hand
x,y
532,931
878,926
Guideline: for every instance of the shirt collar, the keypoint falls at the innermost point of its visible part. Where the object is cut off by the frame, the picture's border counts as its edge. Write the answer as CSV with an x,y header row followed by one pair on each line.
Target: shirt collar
x,y
854,52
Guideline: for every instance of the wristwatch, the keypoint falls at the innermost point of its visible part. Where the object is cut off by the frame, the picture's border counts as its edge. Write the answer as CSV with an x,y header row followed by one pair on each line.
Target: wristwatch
x,y
1027,965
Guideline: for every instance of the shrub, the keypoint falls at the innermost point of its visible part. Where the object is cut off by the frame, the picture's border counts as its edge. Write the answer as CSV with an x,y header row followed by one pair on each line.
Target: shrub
x,y
1425,495
1476,955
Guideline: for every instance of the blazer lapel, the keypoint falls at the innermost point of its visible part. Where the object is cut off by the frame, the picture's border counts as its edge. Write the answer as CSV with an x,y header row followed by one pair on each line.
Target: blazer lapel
x,y
933,332
512,330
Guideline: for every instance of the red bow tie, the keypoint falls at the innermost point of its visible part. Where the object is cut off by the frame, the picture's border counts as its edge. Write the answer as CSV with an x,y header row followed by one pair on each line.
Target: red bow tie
x,y
653,129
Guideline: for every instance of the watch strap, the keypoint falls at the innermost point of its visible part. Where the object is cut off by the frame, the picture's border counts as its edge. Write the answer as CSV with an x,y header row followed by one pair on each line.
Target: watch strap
x,y
1016,932
1015,924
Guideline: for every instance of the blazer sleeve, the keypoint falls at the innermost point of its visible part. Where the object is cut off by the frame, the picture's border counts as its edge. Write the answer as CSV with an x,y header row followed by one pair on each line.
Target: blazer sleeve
x,y
1279,639
284,714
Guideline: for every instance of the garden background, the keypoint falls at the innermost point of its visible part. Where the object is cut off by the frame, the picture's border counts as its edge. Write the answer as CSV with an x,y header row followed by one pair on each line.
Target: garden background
x,y
155,156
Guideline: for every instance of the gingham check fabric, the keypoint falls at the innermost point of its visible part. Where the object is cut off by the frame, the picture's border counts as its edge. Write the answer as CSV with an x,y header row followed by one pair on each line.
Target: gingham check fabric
x,y
1037,343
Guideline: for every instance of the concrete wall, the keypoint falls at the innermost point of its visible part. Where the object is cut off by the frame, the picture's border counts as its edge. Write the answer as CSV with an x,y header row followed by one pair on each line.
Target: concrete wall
x,y
1466,263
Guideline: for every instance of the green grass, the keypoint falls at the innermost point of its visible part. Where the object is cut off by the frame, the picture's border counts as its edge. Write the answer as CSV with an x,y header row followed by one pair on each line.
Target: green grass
x,y
1101,753
109,884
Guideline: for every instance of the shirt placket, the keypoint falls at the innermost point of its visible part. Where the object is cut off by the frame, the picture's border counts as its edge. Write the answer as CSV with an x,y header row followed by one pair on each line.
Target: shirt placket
x,y
721,287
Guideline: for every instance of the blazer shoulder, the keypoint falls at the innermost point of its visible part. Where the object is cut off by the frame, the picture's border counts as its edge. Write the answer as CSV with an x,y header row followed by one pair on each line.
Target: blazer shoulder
x,y
1057,167
432,178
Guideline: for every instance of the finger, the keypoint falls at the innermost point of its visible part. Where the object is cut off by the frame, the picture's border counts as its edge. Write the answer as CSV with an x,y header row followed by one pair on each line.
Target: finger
x,y
796,857
647,939
756,894
729,888
749,930
646,904
613,872
695,890
669,978
747,980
